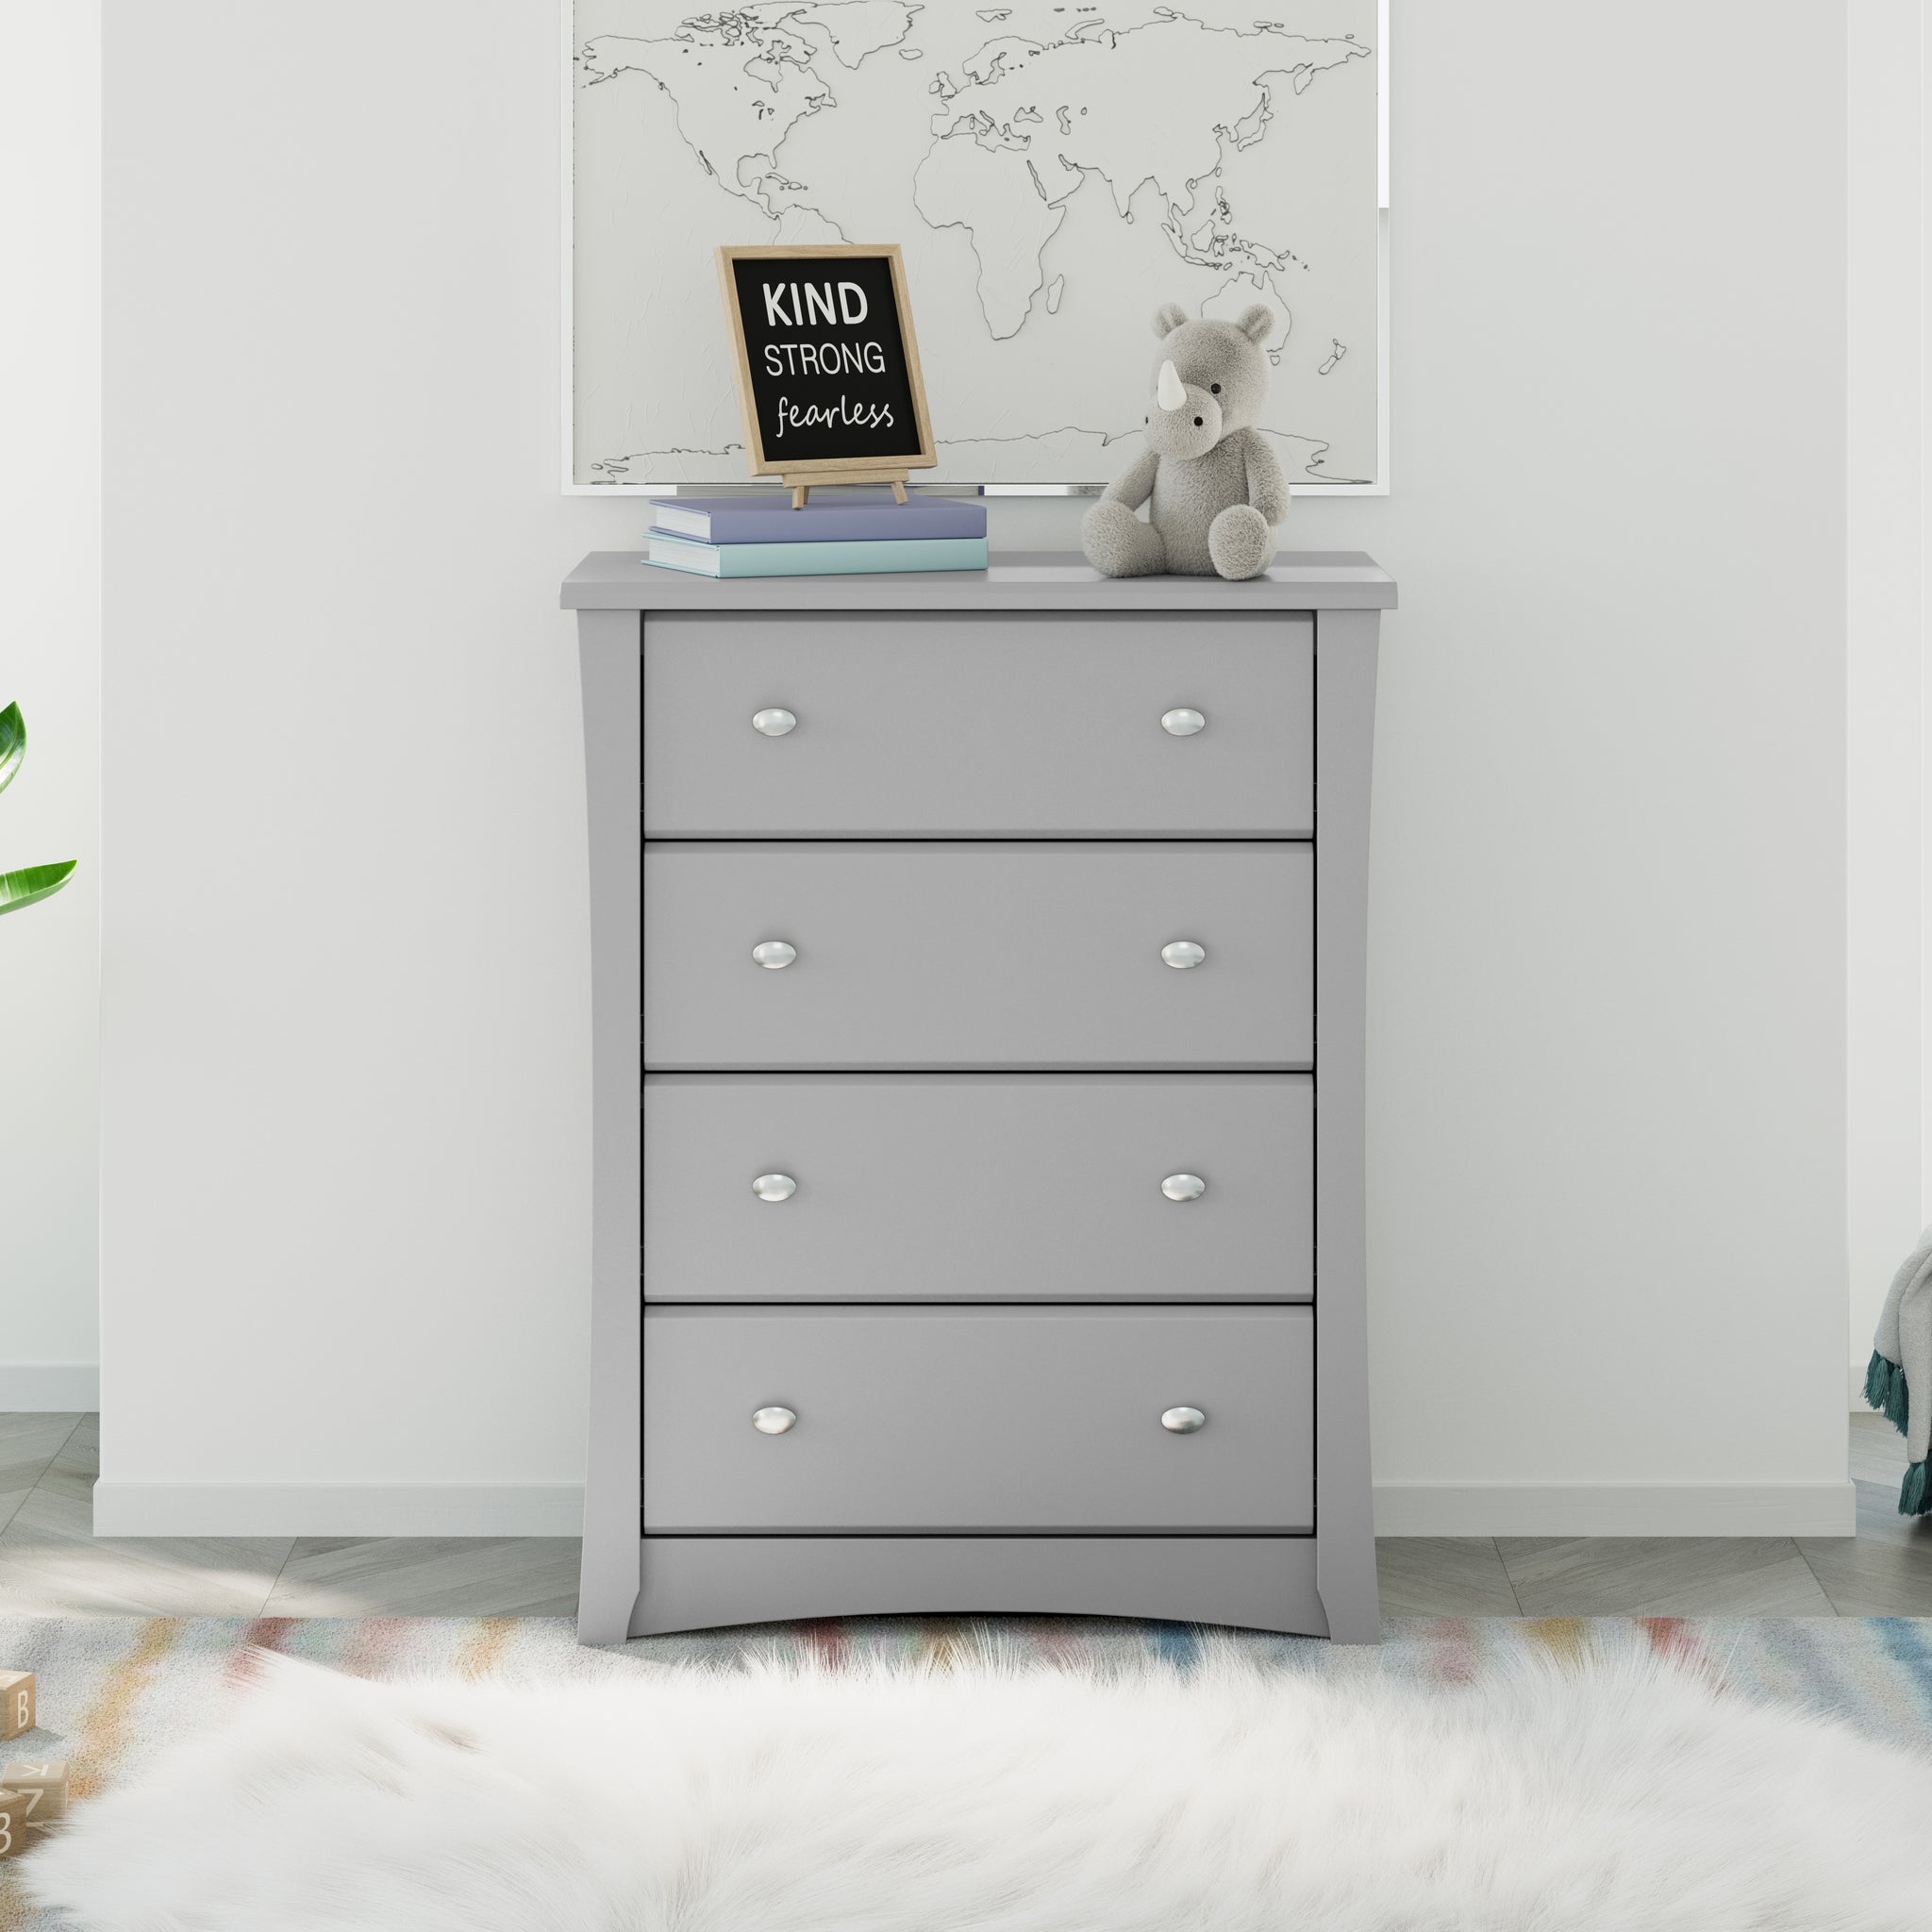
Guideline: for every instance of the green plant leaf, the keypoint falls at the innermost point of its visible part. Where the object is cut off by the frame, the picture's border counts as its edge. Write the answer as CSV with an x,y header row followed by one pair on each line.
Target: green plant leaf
x,y
12,743
31,882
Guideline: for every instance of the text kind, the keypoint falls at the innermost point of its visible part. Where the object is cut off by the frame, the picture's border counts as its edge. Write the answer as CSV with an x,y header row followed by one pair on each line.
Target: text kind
x,y
822,301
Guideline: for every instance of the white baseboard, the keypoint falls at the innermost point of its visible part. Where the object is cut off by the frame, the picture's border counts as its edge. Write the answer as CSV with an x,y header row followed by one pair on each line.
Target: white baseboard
x,y
138,1509
1615,1508
49,1388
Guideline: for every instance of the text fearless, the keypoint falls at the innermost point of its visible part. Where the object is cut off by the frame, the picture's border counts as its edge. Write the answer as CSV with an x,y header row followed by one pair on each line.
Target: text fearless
x,y
851,414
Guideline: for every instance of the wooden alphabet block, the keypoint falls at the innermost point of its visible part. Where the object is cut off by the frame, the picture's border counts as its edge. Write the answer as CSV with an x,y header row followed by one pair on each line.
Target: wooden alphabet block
x,y
44,1786
16,1834
16,1702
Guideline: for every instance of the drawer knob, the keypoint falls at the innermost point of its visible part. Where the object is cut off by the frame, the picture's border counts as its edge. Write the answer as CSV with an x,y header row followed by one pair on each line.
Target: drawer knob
x,y
775,1187
776,723
775,1421
1179,1422
774,953
1181,723
1184,1187
1176,953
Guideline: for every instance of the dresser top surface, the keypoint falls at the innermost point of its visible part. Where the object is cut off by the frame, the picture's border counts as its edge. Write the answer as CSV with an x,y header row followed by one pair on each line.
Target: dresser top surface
x,y
1018,580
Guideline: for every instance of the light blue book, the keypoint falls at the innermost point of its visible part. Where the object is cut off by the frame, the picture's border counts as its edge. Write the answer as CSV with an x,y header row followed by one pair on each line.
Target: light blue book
x,y
816,559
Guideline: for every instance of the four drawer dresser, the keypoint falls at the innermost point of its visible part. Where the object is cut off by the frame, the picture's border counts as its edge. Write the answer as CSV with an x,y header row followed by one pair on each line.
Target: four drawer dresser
x,y
977,1017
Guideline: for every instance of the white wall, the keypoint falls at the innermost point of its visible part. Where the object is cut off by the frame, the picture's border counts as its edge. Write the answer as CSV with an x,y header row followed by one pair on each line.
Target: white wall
x,y
1887,740
1607,1011
346,1094
344,1077
50,663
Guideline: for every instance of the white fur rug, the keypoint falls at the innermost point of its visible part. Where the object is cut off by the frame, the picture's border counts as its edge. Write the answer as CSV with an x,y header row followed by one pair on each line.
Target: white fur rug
x,y
1627,1797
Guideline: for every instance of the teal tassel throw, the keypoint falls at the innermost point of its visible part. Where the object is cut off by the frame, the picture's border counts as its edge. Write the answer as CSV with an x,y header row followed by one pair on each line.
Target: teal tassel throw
x,y
1899,1379
1885,1390
1878,1379
1912,1497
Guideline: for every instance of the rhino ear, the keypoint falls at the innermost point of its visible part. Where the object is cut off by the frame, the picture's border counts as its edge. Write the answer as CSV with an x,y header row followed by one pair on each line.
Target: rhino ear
x,y
1169,316
1255,322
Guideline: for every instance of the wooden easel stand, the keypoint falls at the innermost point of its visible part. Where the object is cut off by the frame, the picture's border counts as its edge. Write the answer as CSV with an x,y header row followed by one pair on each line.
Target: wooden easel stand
x,y
858,474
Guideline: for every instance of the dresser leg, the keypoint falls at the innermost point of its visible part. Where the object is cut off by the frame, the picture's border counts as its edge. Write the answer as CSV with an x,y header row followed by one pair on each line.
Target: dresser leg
x,y
607,1620
1354,1616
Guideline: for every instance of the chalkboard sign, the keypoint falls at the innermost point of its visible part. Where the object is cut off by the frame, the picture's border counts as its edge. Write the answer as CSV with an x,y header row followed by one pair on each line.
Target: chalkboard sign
x,y
827,367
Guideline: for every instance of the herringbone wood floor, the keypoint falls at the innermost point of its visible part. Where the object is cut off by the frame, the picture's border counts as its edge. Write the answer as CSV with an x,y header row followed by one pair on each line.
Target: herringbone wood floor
x,y
52,1564
1883,1571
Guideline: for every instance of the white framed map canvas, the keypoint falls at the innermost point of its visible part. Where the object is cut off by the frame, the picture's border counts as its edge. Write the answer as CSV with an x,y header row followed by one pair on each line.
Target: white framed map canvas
x,y
1053,173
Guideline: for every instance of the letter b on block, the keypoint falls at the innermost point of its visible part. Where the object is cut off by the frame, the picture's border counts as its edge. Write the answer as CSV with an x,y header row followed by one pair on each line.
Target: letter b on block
x,y
16,1702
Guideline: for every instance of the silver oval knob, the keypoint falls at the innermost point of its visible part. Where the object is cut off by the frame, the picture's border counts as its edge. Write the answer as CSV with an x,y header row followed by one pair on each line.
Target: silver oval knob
x,y
777,721
1184,1187
775,1187
1179,1422
774,953
1183,953
775,1421
1182,723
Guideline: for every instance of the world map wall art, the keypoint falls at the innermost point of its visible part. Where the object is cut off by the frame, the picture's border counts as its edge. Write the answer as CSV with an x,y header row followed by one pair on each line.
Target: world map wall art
x,y
1053,175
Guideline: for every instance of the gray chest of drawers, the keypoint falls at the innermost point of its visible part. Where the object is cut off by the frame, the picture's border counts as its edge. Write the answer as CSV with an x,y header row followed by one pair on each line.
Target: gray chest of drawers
x,y
986,1235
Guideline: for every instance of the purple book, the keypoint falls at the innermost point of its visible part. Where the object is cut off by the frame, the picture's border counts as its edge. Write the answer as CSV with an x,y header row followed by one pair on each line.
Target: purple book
x,y
862,516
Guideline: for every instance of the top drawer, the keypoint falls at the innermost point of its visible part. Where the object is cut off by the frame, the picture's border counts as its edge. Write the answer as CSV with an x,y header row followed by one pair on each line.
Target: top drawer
x,y
1004,726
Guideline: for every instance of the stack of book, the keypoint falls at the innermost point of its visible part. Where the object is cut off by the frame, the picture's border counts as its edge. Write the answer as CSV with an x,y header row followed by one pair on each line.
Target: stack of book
x,y
832,536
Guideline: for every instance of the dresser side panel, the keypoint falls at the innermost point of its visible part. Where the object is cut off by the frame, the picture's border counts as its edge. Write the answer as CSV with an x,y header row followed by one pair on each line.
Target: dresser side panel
x,y
1346,654
609,656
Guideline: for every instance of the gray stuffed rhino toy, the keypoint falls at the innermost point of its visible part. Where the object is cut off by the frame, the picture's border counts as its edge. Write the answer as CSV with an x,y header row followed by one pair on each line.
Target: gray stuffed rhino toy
x,y
1213,488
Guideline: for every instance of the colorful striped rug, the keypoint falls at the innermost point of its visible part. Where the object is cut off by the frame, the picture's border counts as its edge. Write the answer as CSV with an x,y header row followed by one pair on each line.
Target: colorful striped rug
x,y
113,1691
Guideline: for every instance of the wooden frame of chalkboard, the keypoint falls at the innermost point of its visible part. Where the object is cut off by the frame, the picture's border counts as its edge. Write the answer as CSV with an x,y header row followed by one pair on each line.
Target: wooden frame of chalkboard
x,y
834,318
